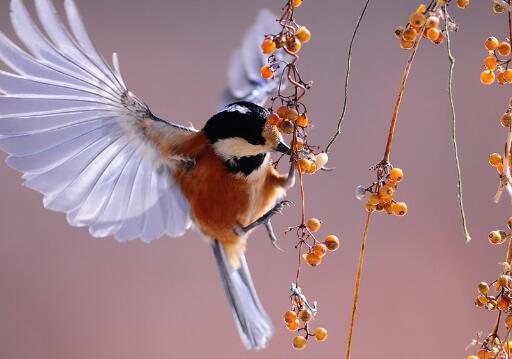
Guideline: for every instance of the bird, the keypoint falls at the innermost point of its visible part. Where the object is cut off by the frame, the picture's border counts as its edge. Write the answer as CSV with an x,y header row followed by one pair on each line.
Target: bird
x,y
97,153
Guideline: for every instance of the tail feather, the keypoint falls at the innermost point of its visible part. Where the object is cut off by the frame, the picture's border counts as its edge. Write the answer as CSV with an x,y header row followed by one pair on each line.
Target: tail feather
x,y
253,324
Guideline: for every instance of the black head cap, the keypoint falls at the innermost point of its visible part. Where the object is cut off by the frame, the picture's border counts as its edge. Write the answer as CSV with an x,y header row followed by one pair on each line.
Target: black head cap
x,y
240,119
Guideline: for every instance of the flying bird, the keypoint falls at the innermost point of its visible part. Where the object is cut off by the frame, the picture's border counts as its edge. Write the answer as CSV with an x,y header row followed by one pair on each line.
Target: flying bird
x,y
98,154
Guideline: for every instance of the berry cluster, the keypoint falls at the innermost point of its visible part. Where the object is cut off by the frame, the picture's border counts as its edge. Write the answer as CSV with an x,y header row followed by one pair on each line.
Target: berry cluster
x,y
425,21
497,60
291,117
379,196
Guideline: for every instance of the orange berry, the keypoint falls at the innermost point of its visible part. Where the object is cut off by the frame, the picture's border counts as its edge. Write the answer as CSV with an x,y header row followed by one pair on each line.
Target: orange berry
x,y
268,46
503,304
289,316
501,78
293,326
370,207
305,315
313,259
320,334
409,34
504,49
303,165
396,174
433,33
312,168
506,119
483,288
406,45
508,321
417,20
373,199
500,168
472,357
494,159
302,120
299,342
386,191
296,3
497,237
282,112
388,207
303,34
273,120
400,209
332,242
266,72
299,144
507,345
487,77
491,63
293,44
507,75
320,249
462,3
432,21
491,43
440,39
481,354
498,8
313,224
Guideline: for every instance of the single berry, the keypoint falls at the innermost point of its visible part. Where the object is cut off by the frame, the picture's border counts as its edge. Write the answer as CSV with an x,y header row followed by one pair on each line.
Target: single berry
x,y
332,242
267,72
313,259
396,174
417,20
320,249
491,63
494,159
299,342
487,77
302,120
293,326
313,224
491,43
303,34
289,316
320,334
504,49
268,46
432,21
400,209
305,315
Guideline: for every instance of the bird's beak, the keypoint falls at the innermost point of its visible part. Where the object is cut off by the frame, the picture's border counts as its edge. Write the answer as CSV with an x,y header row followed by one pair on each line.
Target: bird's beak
x,y
283,148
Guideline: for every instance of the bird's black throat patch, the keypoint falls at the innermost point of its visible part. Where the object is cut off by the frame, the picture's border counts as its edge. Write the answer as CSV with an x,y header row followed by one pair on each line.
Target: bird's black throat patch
x,y
245,165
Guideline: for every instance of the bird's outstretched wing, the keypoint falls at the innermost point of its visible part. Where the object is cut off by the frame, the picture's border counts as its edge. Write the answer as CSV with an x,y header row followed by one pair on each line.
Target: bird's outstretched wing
x,y
244,78
68,122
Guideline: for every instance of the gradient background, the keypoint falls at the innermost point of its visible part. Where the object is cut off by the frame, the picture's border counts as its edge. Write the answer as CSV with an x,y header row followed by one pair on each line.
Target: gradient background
x,y
65,295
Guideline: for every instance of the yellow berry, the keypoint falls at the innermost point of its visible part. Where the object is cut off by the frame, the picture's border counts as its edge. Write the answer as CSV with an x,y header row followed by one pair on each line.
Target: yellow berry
x,y
293,326
472,357
289,316
296,3
410,34
299,342
312,169
313,224
386,191
462,3
303,165
332,242
494,159
400,209
422,8
417,20
305,315
491,43
268,46
506,119
303,34
373,199
487,77
491,63
483,288
292,114
504,49
432,21
266,72
507,345
396,174
302,120
320,334
320,249
293,44
496,237
433,33
508,321
313,259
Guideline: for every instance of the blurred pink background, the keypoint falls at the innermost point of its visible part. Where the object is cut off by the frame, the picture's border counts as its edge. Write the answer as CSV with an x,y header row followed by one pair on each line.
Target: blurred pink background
x,y
65,295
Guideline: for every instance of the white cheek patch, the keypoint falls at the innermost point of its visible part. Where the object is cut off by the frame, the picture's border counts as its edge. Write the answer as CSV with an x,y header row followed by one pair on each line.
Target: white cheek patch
x,y
238,147
236,108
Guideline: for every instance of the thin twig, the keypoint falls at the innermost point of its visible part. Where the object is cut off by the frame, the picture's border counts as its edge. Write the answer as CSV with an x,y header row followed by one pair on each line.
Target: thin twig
x,y
347,75
401,90
451,60
357,285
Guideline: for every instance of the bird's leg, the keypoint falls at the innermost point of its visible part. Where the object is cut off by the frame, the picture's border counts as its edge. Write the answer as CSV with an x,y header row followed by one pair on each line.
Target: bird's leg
x,y
265,219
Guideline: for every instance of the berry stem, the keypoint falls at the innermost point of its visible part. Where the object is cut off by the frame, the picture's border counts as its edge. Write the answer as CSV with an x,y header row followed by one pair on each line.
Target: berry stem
x,y
347,76
451,61
401,90
359,272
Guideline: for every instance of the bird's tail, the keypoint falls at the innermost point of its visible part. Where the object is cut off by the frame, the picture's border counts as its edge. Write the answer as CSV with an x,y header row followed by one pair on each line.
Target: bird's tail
x,y
253,324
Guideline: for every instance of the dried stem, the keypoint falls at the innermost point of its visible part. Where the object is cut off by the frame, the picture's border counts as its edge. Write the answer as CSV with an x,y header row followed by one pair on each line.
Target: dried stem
x,y
357,286
401,90
451,61
347,76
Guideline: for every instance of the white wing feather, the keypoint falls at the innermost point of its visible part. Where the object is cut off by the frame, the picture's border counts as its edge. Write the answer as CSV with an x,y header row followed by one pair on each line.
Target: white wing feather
x,y
244,78
69,124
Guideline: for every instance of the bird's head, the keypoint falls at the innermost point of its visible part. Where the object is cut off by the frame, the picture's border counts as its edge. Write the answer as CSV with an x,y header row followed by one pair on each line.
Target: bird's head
x,y
241,130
